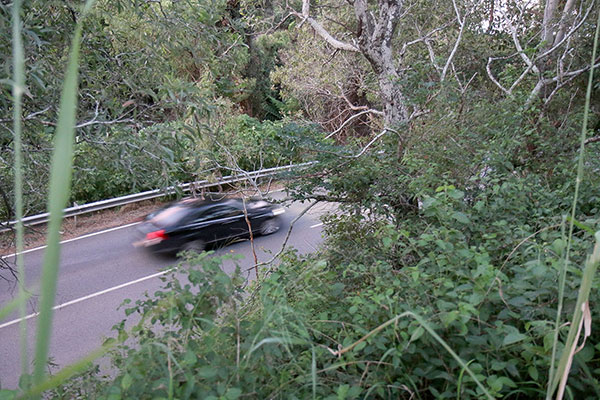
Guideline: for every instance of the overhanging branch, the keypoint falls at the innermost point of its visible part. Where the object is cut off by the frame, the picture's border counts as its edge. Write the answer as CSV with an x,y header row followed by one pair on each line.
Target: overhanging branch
x,y
321,31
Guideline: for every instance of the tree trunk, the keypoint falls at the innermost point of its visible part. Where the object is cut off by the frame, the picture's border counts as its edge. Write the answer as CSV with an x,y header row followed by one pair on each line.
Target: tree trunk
x,y
375,43
554,26
394,102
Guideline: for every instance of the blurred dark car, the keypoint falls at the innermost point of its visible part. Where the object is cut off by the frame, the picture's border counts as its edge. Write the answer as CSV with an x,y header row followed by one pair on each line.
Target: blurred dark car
x,y
193,224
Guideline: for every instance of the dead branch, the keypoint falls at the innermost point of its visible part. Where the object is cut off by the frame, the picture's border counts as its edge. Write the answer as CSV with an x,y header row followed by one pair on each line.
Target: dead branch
x,y
287,237
462,23
321,31
593,139
347,121
492,77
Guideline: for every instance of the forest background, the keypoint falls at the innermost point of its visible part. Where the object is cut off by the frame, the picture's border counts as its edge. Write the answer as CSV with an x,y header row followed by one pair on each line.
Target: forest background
x,y
450,134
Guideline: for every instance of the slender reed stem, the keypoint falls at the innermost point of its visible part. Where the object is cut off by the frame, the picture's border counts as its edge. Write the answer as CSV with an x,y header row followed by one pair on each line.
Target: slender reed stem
x,y
553,377
17,90
60,184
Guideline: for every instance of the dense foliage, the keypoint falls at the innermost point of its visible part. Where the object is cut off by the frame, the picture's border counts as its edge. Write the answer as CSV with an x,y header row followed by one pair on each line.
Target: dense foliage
x,y
157,83
454,221
491,298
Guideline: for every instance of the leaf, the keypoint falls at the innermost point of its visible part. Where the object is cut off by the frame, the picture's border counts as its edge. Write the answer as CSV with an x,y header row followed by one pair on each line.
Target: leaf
x,y
558,246
13,304
60,185
190,357
533,372
444,188
354,392
313,373
428,202
126,382
342,391
461,217
479,206
207,372
449,317
457,194
360,346
387,242
8,394
417,334
513,337
581,225
233,393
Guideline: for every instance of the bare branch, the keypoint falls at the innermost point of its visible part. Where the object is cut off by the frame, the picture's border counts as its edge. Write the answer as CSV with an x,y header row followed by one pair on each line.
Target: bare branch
x,y
560,42
577,72
462,88
35,114
346,122
28,117
287,237
424,37
563,20
593,139
553,36
462,24
493,78
383,132
352,106
524,57
549,10
321,31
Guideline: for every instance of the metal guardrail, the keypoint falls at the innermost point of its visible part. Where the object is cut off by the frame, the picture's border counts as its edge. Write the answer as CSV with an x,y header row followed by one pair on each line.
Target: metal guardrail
x,y
152,194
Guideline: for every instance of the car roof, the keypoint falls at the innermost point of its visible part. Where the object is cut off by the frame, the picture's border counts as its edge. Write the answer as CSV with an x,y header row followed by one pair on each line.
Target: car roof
x,y
180,209
207,203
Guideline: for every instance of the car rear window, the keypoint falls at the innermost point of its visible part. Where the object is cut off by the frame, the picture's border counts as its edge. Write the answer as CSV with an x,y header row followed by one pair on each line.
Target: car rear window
x,y
169,216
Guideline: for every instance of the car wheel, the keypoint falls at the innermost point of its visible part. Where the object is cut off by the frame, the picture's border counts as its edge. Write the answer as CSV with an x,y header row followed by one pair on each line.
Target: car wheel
x,y
269,226
196,246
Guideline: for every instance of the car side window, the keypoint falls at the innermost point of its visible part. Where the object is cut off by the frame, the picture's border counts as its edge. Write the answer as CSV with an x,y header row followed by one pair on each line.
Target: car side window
x,y
196,216
224,212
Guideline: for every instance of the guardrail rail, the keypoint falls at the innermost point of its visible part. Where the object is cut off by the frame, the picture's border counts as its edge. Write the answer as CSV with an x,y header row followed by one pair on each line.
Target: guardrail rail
x,y
152,194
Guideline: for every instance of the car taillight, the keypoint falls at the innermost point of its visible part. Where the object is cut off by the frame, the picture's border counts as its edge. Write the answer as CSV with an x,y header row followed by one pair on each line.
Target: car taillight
x,y
160,235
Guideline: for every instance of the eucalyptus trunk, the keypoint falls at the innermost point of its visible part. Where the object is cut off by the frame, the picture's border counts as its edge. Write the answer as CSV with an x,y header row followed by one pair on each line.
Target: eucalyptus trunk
x,y
375,43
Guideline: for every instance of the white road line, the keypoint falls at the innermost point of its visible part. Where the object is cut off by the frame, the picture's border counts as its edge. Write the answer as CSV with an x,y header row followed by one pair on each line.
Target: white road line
x,y
74,239
317,225
90,296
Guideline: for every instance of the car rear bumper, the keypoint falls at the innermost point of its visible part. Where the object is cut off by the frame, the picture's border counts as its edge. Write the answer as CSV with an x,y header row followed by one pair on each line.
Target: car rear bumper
x,y
156,245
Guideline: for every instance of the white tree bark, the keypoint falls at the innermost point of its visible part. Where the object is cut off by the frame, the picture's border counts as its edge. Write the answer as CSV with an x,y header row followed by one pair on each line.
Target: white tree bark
x,y
558,33
375,43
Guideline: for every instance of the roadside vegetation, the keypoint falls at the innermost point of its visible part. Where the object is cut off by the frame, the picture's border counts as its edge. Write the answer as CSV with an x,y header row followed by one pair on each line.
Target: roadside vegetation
x,y
462,142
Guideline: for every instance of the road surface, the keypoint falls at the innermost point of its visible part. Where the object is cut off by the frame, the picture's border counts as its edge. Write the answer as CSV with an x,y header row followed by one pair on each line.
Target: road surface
x,y
99,271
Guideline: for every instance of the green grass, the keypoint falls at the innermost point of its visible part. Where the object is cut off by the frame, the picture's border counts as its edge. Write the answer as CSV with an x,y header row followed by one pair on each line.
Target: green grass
x,y
18,89
60,182
560,373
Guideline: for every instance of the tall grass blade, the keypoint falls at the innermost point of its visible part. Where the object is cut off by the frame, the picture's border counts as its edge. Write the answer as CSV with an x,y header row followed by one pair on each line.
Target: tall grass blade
x,y
68,371
13,304
580,318
60,183
555,374
313,373
433,334
17,91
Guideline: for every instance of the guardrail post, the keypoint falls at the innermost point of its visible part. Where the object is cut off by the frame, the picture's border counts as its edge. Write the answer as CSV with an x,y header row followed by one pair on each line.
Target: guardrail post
x,y
75,216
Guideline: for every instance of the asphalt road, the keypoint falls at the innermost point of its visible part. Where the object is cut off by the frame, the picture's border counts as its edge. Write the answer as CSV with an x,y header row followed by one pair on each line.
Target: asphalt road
x,y
100,270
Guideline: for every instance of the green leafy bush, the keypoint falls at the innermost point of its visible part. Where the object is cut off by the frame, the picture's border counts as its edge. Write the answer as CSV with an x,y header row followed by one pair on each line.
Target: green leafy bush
x,y
481,269
252,144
